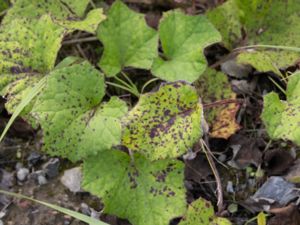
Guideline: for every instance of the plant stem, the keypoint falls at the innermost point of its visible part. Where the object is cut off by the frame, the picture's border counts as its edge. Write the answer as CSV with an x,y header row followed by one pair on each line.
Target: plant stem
x,y
277,85
147,83
124,88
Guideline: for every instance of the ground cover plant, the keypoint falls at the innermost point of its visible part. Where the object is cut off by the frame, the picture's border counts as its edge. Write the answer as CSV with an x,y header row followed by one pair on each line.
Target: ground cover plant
x,y
152,109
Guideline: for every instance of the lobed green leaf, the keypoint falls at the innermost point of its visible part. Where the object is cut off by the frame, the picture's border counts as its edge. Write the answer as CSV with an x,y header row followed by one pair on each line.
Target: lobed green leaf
x,y
144,192
74,122
183,39
127,40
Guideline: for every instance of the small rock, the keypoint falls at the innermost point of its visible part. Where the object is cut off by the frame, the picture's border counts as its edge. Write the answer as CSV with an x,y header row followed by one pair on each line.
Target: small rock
x,y
34,158
7,180
95,214
18,165
277,189
22,174
41,179
229,187
233,69
85,209
72,179
243,86
51,167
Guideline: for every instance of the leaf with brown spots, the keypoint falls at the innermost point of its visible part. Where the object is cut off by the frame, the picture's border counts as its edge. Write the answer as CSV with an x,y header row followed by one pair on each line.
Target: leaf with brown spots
x,y
217,97
144,192
67,13
75,124
269,22
282,118
165,123
202,212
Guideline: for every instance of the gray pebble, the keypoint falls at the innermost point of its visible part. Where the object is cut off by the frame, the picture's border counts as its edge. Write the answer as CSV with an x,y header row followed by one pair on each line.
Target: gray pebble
x,y
22,174
41,179
34,158
72,179
51,167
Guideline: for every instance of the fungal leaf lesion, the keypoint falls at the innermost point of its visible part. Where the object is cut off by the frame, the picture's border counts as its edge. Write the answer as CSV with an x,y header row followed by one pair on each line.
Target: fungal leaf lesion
x,y
165,123
74,121
282,118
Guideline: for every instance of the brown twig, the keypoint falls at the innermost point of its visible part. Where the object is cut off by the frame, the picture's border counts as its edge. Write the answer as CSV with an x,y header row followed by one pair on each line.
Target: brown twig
x,y
222,102
213,167
80,40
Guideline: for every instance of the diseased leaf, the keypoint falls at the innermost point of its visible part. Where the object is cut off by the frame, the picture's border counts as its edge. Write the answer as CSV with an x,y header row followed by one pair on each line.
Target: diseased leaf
x,y
215,90
127,40
67,13
226,19
266,61
271,22
282,118
89,24
29,45
17,90
183,40
60,9
202,212
164,124
30,40
141,191
74,123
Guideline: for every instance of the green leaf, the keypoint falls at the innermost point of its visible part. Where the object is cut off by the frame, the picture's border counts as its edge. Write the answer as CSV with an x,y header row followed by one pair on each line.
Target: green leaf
x,y
282,118
202,212
144,192
164,124
74,123
127,40
74,214
3,5
215,89
183,40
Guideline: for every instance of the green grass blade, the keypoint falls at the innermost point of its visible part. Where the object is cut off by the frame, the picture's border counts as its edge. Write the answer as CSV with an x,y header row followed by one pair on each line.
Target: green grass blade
x,y
69,212
34,91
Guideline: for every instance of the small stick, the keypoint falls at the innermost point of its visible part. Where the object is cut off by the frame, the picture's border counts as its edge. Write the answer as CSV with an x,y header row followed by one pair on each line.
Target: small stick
x,y
222,102
80,40
213,167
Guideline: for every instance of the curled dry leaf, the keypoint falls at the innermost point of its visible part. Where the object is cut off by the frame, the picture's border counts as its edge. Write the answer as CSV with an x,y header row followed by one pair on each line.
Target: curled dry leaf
x,y
219,101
